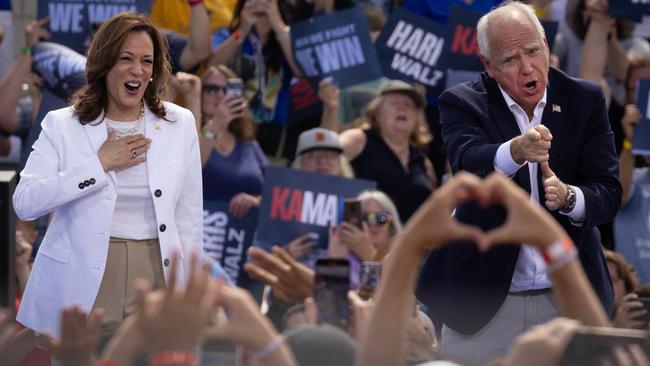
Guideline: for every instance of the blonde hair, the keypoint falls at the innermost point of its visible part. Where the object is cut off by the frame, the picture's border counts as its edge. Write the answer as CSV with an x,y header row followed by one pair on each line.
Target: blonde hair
x,y
346,170
420,136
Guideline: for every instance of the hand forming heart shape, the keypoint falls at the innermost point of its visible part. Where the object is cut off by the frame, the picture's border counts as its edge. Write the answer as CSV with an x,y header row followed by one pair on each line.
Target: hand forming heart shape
x,y
433,225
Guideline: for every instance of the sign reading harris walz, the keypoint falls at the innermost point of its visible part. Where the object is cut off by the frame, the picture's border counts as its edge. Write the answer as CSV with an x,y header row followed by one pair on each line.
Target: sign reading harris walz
x,y
295,203
335,46
226,239
412,48
71,20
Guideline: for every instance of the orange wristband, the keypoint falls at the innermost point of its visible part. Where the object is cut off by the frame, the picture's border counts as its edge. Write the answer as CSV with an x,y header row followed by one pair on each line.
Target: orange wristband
x,y
167,358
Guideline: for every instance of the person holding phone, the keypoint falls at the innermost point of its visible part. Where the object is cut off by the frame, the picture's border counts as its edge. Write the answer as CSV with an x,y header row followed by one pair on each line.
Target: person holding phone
x,y
233,163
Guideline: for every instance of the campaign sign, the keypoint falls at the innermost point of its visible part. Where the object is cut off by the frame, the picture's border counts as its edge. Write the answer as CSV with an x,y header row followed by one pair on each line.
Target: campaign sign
x,y
629,9
71,20
226,239
411,48
336,45
62,69
641,139
295,203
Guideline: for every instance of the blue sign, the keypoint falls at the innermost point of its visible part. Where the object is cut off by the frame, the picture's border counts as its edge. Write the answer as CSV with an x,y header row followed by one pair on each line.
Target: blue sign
x,y
72,20
335,46
412,48
295,203
629,9
62,69
641,139
227,239
439,10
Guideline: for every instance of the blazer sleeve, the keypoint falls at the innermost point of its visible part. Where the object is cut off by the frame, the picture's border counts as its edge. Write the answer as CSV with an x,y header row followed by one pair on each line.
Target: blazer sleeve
x,y
598,170
465,139
189,208
45,184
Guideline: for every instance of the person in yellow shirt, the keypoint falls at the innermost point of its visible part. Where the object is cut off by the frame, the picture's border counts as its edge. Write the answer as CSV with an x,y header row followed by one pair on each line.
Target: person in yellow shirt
x,y
175,14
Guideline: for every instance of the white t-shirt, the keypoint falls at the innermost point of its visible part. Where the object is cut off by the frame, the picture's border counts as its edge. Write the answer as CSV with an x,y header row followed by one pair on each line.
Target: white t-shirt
x,y
134,216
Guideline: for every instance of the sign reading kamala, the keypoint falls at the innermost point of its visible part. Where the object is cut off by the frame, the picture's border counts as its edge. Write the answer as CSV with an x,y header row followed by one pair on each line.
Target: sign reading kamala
x,y
295,203
336,45
410,48
71,20
641,139
226,239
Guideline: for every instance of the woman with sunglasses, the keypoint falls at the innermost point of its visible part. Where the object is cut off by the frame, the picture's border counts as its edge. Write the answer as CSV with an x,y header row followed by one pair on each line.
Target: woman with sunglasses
x,y
380,223
233,163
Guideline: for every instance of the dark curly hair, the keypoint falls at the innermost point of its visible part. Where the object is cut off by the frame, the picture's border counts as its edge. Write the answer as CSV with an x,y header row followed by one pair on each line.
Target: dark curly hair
x,y
92,99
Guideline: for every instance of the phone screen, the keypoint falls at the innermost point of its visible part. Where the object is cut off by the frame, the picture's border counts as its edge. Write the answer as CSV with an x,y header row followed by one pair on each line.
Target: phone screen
x,y
234,87
591,345
352,212
331,288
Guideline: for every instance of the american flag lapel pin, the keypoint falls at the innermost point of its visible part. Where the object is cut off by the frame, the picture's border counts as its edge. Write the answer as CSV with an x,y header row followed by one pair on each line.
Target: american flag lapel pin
x,y
556,108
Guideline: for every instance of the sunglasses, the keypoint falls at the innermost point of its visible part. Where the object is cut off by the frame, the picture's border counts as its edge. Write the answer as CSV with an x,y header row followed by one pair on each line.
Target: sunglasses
x,y
377,218
213,89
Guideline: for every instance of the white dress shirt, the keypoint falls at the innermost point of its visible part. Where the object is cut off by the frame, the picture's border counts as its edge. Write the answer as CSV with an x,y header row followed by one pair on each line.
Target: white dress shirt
x,y
530,272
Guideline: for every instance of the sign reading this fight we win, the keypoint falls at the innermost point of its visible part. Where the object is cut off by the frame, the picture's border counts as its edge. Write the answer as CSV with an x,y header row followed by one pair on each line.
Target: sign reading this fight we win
x,y
412,48
336,45
295,203
71,20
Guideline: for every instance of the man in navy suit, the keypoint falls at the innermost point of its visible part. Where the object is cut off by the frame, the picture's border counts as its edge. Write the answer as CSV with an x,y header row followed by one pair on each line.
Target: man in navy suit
x,y
550,134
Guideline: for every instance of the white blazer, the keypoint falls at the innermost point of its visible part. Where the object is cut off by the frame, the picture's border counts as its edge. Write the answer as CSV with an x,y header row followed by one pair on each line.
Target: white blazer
x,y
63,174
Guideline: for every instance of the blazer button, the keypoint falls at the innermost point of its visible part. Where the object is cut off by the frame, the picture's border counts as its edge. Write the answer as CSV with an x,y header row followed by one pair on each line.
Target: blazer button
x,y
92,181
163,227
86,183
81,185
166,262
157,193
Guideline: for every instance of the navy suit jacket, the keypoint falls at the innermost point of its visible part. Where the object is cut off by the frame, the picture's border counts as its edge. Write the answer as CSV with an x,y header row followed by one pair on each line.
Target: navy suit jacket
x,y
463,288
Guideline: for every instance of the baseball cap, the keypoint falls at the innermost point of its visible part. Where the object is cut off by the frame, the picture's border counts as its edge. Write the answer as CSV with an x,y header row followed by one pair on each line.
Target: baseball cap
x,y
318,138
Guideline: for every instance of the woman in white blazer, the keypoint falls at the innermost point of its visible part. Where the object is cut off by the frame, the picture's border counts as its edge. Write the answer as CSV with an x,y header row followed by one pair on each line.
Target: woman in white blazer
x,y
121,171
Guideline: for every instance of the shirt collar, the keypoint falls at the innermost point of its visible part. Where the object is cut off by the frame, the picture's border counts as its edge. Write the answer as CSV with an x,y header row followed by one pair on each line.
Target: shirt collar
x,y
511,102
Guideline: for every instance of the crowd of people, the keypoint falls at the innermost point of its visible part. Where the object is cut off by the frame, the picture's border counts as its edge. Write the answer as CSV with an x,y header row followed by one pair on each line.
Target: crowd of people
x,y
507,227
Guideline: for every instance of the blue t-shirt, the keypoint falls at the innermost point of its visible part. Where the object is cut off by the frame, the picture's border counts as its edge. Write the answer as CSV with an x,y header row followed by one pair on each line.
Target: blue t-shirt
x,y
632,225
241,171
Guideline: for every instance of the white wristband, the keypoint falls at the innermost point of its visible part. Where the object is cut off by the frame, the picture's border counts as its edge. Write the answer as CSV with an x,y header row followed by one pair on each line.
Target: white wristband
x,y
559,254
270,347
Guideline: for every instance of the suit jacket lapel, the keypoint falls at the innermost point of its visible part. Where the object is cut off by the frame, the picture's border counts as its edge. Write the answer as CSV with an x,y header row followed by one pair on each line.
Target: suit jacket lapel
x,y
505,121
97,135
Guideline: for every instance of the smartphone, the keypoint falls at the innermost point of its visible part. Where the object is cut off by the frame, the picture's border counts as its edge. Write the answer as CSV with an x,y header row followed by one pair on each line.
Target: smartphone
x,y
331,287
235,87
591,345
369,279
352,212
646,304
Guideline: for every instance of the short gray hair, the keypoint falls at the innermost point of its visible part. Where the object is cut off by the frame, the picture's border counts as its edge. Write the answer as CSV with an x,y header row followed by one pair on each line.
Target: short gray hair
x,y
484,23
387,204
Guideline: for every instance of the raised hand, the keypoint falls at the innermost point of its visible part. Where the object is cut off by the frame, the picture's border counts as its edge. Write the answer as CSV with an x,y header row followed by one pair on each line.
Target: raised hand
x,y
555,191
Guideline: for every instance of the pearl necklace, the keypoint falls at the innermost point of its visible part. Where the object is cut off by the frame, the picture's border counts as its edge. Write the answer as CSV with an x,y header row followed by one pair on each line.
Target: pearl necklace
x,y
122,133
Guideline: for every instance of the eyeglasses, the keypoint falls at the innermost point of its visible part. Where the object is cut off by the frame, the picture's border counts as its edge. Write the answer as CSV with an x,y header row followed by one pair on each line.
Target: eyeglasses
x,y
213,89
377,218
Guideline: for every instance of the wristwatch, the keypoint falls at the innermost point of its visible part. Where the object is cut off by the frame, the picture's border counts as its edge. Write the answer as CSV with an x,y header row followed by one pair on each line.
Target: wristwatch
x,y
570,200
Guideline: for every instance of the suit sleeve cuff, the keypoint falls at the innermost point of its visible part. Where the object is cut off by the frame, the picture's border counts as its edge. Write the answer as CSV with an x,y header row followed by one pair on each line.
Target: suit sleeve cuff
x,y
577,215
503,161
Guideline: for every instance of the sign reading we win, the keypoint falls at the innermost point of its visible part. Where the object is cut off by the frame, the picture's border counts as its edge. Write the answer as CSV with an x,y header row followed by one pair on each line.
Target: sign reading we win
x,y
335,46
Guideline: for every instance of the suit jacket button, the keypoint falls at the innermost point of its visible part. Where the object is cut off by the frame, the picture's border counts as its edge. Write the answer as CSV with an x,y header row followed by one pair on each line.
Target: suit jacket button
x,y
166,262
158,193
81,185
92,181
163,227
86,183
